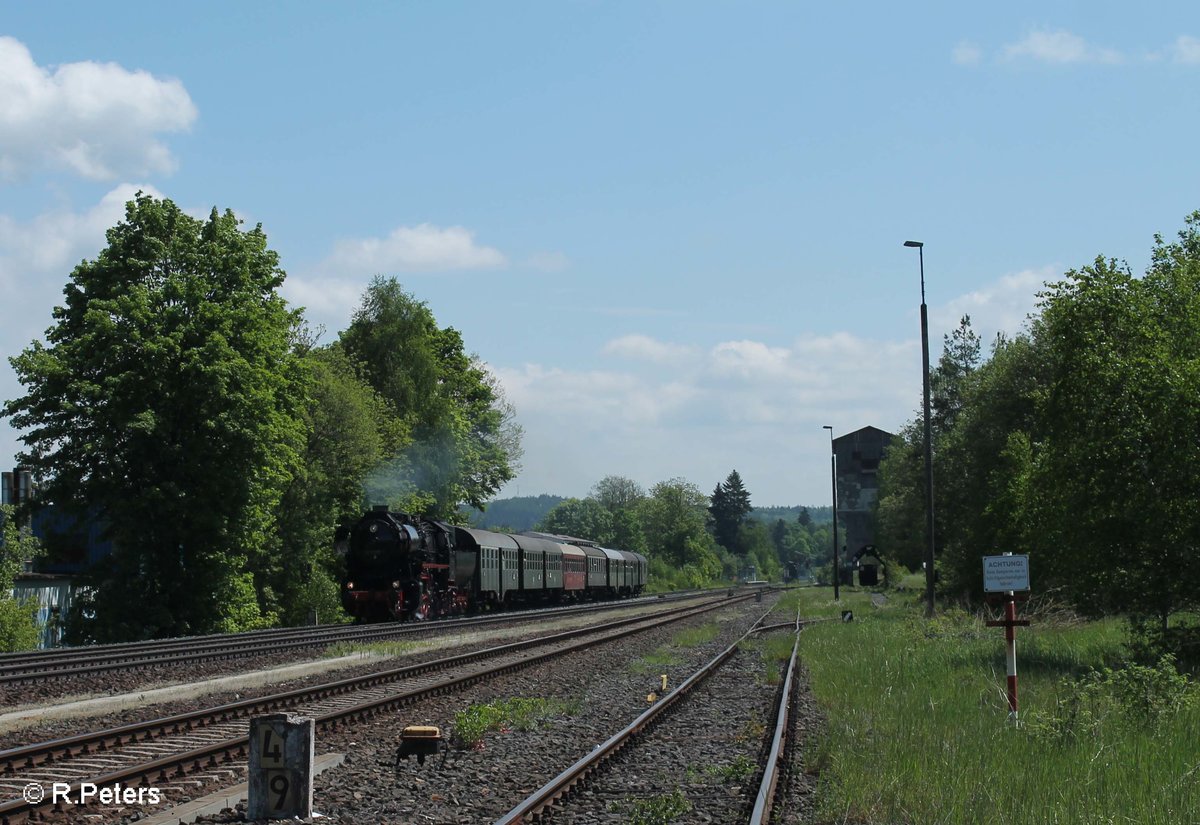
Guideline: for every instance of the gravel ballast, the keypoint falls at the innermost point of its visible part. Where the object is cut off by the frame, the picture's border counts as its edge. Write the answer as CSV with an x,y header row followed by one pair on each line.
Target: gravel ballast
x,y
706,753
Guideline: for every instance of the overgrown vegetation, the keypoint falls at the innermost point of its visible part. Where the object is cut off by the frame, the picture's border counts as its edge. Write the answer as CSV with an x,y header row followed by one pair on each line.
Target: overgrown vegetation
x,y
913,705
657,810
340,649
18,631
1074,442
519,713
667,656
740,768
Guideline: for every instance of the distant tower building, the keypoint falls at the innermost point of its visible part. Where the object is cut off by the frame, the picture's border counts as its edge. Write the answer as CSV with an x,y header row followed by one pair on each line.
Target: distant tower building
x,y
858,456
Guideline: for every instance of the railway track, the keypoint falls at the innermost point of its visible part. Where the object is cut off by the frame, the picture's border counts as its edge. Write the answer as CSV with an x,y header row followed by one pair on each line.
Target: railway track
x,y
570,787
215,739
40,666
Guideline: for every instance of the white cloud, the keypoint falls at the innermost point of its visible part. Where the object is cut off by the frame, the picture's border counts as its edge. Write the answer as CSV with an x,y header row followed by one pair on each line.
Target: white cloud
x,y
754,405
36,259
326,299
421,248
967,54
333,288
698,413
1186,49
593,398
98,120
1002,306
645,348
44,250
750,361
1059,47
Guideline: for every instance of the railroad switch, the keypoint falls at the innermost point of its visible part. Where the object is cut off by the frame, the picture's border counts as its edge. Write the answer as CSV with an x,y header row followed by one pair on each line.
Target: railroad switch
x,y
419,740
656,691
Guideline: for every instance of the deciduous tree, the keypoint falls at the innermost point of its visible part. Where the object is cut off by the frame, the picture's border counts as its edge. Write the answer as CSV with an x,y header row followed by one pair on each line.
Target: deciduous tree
x,y
166,402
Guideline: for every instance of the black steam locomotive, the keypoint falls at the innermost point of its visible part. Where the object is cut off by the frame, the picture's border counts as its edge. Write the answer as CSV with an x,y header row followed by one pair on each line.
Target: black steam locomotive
x,y
406,567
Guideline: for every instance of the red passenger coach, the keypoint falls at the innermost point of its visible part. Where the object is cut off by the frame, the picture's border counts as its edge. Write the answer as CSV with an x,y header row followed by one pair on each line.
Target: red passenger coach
x,y
574,563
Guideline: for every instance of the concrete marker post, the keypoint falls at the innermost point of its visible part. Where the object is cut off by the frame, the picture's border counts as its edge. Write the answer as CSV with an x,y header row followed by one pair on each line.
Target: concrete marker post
x,y
281,766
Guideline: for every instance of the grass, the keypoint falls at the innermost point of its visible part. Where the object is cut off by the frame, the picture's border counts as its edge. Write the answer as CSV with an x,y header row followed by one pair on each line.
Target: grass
x,y
918,729
517,713
657,810
665,657
340,649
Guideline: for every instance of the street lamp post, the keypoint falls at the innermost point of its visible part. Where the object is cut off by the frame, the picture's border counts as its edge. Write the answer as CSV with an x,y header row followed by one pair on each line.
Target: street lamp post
x,y
920,247
837,567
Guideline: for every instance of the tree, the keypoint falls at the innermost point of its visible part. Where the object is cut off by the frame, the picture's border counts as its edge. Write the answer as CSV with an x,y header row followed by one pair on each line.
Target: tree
x,y
1116,484
617,493
960,357
583,518
459,441
729,506
166,403
18,629
674,517
347,432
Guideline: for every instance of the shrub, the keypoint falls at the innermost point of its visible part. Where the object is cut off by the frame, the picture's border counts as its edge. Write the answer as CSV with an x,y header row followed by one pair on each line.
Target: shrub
x,y
1134,697
18,629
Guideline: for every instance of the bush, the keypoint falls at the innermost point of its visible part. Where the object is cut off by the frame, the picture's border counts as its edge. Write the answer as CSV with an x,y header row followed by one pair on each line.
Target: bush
x,y
18,626
1135,697
1149,641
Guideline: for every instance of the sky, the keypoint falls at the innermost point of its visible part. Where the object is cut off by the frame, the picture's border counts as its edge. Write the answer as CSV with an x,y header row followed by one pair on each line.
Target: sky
x,y
673,230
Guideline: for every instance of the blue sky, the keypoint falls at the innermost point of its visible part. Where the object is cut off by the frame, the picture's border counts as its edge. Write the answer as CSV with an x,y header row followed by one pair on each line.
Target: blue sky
x,y
672,229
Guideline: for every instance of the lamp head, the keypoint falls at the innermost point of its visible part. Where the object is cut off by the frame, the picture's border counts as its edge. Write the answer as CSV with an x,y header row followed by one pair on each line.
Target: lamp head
x,y
913,244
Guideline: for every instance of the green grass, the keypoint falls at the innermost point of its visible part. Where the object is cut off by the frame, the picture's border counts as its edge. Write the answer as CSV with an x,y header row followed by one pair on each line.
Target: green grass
x,y
518,713
336,651
918,730
667,656
657,810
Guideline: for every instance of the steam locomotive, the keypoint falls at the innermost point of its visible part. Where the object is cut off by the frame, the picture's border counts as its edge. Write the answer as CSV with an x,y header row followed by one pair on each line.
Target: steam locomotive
x,y
405,567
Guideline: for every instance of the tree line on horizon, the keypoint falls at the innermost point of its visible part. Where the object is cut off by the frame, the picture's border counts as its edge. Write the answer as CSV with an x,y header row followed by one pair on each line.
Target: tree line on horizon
x,y
691,539
1076,442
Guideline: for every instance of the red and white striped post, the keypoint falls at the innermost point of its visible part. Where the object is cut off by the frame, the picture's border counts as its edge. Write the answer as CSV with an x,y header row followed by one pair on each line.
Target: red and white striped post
x,y
1014,572
1010,644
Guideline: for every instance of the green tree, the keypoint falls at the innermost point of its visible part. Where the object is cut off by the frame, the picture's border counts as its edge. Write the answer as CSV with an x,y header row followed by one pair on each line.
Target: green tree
x,y
984,463
1119,460
18,628
459,441
674,517
617,493
629,533
166,402
348,429
960,358
729,505
760,550
583,518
